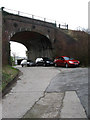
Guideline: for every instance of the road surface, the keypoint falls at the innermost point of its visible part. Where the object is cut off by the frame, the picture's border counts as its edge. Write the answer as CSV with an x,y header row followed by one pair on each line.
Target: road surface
x,y
39,88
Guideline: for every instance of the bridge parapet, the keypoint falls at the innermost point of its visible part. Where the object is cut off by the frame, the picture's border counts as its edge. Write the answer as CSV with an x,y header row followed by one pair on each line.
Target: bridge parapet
x,y
37,18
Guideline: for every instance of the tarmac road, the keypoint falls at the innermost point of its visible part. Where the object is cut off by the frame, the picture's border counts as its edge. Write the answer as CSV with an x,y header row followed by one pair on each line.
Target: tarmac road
x,y
72,79
42,90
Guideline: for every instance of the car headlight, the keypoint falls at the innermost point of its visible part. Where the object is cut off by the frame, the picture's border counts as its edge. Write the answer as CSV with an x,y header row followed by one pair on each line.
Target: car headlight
x,y
47,62
70,62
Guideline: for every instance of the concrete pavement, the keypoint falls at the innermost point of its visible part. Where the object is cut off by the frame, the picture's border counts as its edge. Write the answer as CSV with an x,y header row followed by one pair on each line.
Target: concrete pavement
x,y
29,97
57,105
72,107
29,88
47,107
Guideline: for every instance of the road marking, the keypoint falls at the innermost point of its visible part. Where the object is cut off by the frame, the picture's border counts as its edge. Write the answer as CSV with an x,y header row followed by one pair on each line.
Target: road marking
x,y
72,107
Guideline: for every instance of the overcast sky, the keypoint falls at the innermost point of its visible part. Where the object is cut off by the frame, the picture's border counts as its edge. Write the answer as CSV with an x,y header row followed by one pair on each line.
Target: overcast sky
x,y
72,12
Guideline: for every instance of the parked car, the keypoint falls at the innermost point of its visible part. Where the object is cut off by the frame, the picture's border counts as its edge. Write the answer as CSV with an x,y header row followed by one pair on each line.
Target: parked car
x,y
27,63
44,61
24,63
66,61
30,63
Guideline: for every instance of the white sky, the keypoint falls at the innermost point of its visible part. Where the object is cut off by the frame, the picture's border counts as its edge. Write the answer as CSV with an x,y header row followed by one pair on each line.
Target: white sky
x,y
18,49
72,12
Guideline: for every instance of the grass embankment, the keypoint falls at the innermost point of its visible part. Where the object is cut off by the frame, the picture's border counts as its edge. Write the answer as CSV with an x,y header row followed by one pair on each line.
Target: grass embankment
x,y
8,74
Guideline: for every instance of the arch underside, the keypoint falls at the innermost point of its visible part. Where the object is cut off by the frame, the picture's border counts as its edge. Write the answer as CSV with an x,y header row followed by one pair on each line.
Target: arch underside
x,y
37,44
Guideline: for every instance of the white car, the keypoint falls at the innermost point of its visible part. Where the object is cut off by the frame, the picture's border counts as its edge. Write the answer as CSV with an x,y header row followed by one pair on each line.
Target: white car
x,y
24,63
27,63
39,60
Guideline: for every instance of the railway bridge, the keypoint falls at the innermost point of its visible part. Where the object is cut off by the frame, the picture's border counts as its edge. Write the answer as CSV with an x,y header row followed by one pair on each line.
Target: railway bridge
x,y
41,38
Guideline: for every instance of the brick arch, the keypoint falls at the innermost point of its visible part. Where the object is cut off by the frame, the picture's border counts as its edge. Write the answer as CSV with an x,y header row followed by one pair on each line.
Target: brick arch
x,y
35,42
12,33
14,24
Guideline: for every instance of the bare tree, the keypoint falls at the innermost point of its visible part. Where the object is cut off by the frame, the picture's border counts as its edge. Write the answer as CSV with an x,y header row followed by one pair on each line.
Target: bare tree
x,y
14,56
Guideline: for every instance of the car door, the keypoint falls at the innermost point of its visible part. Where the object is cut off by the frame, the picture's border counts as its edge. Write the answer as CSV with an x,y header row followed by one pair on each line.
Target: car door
x,y
62,62
59,61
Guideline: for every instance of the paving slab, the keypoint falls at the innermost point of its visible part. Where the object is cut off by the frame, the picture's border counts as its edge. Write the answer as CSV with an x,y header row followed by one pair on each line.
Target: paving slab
x,y
72,107
57,105
47,107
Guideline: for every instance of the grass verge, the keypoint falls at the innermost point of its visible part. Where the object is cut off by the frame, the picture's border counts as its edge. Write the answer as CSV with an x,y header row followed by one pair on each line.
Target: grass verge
x,y
8,74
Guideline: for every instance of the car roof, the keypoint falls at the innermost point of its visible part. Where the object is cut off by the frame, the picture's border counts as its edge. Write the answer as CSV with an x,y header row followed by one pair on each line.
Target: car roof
x,y
39,58
62,56
42,58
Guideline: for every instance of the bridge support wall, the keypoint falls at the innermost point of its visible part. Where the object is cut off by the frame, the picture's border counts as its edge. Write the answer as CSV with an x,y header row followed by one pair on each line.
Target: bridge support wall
x,y
34,53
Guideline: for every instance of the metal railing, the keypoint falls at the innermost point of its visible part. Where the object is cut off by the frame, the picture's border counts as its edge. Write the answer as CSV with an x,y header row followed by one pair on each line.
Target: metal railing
x,y
57,23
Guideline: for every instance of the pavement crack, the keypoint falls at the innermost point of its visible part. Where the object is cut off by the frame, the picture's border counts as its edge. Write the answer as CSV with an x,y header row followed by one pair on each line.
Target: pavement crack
x,y
47,106
34,105
59,113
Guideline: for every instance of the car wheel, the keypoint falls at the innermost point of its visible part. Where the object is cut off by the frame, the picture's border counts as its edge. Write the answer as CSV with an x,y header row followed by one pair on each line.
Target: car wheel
x,y
28,65
22,65
66,65
55,65
44,65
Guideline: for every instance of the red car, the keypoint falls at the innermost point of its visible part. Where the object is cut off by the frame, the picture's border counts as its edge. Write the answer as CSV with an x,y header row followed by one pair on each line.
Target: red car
x,y
66,61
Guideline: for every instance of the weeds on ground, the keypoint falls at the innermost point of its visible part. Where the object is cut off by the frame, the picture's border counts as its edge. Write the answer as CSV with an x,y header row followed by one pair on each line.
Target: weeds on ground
x,y
8,74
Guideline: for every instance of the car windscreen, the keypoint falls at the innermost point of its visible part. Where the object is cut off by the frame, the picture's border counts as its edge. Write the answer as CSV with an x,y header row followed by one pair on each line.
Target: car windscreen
x,y
46,59
68,58
29,60
72,59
